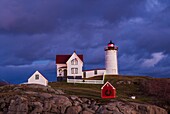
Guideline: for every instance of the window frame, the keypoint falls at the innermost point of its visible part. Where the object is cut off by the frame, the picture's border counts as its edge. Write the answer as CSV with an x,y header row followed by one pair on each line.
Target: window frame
x,y
74,61
74,70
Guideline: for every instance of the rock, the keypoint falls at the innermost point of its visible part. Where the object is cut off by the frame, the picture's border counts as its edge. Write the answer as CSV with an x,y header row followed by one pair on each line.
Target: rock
x,y
47,106
104,111
94,107
124,107
2,105
84,105
39,99
76,103
85,112
31,93
18,105
89,110
73,97
148,109
112,108
100,109
78,99
62,102
37,108
93,102
45,95
54,109
84,100
89,102
73,110
59,92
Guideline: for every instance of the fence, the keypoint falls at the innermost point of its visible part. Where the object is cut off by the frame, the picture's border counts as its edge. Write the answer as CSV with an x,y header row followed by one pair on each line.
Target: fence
x,y
85,81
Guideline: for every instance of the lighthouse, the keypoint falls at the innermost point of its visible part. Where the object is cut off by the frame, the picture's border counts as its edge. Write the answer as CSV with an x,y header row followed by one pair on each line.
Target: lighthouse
x,y
111,59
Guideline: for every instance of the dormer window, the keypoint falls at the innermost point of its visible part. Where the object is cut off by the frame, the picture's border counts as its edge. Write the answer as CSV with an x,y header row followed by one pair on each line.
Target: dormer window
x,y
74,61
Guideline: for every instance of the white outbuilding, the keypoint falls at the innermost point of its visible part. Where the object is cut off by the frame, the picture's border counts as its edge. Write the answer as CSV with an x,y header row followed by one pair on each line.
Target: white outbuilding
x,y
38,78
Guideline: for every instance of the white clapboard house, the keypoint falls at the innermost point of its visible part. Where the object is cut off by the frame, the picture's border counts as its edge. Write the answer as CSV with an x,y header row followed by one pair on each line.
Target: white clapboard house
x,y
38,78
70,67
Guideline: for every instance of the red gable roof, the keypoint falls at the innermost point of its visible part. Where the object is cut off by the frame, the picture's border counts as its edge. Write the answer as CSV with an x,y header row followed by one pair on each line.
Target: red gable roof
x,y
62,59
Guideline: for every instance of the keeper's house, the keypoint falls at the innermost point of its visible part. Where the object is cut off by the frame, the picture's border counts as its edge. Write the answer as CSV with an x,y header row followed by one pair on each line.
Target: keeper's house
x,y
69,66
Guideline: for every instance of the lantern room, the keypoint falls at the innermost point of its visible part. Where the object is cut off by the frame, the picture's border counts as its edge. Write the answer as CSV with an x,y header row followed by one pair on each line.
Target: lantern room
x,y
111,46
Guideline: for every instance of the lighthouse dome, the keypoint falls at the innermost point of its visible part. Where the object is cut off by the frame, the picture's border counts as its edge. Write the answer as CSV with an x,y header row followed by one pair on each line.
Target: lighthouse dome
x,y
110,44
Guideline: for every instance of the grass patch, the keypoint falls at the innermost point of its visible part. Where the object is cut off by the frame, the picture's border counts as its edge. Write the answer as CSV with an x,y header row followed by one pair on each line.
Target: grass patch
x,y
126,86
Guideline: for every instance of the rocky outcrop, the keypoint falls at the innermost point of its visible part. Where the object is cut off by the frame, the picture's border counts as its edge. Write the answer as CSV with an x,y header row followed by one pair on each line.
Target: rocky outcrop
x,y
35,99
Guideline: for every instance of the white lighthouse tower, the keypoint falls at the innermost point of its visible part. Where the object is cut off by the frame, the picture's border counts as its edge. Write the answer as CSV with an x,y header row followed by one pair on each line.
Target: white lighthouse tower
x,y
111,59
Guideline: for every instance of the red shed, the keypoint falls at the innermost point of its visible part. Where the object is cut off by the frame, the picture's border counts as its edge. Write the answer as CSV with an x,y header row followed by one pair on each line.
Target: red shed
x,y
108,91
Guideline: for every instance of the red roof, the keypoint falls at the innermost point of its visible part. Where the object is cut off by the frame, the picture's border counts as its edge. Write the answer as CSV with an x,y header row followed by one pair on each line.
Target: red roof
x,y
62,59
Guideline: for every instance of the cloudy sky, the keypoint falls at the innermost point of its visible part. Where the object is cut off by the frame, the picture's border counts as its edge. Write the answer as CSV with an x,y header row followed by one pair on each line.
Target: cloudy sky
x,y
32,33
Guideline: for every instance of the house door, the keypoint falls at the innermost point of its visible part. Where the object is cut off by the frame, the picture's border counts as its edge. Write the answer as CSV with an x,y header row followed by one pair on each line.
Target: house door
x,y
84,73
65,73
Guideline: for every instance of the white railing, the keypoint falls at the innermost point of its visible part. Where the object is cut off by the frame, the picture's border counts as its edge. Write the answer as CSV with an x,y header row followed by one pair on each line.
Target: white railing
x,y
85,81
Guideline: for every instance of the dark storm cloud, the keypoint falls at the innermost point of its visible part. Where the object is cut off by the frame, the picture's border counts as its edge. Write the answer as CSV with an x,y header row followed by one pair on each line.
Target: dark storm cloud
x,y
33,32
33,17
28,16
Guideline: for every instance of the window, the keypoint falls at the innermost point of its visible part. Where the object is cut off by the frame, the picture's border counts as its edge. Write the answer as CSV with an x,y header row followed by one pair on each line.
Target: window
x,y
74,62
74,70
36,77
95,72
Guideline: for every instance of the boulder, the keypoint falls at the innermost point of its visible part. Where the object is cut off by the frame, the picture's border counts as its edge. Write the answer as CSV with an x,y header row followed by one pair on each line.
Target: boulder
x,y
85,112
18,105
73,110
37,108
62,102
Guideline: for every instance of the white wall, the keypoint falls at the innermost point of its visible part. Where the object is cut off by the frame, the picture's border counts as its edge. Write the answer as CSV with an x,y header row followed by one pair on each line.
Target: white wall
x,y
79,66
90,73
111,62
42,80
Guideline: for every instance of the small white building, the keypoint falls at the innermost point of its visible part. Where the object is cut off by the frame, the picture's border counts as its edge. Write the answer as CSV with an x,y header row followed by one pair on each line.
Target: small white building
x,y
93,73
38,78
